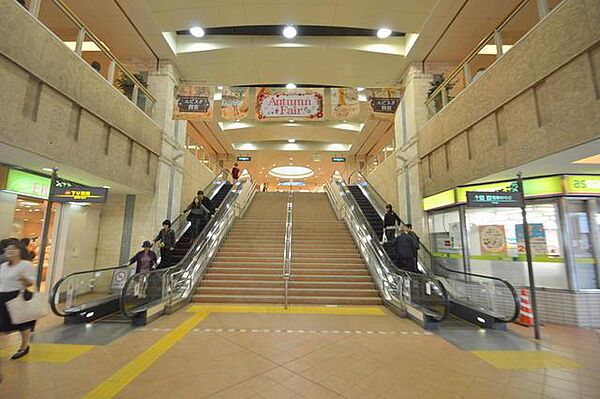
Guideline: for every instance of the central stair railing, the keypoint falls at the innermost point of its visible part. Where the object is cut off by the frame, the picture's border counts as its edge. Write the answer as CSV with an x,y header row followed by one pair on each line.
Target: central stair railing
x,y
287,249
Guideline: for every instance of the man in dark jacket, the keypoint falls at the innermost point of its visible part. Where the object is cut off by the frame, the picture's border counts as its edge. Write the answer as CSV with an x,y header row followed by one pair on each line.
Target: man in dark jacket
x,y
406,252
166,236
389,223
206,201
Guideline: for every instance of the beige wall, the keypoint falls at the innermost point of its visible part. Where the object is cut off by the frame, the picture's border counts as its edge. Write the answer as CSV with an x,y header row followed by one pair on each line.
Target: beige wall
x,y
52,103
385,180
539,99
196,176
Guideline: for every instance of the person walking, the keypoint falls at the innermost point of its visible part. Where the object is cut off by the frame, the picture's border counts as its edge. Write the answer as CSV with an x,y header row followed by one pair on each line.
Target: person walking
x,y
199,215
16,274
235,173
145,261
406,251
166,237
389,223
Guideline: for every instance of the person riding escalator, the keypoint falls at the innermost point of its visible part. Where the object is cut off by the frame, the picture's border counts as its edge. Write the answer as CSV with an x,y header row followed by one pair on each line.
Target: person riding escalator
x,y
199,215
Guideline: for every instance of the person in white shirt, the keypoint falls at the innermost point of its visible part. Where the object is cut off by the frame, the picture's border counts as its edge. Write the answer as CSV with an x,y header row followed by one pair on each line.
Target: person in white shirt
x,y
16,275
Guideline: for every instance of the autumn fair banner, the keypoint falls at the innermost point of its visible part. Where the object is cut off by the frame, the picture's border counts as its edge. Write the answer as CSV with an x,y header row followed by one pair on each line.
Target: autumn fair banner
x,y
384,100
344,103
276,103
193,102
234,103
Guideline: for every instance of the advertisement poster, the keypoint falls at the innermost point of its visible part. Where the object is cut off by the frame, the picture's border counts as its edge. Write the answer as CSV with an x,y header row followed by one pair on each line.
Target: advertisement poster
x,y
273,103
537,238
344,103
492,239
384,100
234,103
193,102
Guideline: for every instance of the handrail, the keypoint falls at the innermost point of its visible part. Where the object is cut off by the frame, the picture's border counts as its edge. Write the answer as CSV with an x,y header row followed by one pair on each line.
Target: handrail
x,y
439,265
475,51
79,23
287,250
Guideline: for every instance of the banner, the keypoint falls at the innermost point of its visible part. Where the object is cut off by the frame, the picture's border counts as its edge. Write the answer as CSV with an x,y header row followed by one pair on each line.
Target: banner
x,y
537,239
274,103
234,103
193,102
344,103
492,239
384,100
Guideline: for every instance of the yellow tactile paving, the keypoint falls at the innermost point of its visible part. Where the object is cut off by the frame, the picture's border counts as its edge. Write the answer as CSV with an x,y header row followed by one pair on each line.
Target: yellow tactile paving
x,y
50,353
328,310
120,379
525,360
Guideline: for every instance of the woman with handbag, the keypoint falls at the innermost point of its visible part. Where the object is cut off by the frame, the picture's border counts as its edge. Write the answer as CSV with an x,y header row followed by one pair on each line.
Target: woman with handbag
x,y
15,276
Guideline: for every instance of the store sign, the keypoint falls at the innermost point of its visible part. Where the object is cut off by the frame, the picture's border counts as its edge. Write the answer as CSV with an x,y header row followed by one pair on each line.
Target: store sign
x,y
582,184
494,199
80,194
244,159
533,187
193,102
439,200
282,103
338,159
25,183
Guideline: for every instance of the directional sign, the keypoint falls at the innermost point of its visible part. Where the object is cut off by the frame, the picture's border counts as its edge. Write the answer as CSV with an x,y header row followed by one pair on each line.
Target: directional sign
x,y
494,199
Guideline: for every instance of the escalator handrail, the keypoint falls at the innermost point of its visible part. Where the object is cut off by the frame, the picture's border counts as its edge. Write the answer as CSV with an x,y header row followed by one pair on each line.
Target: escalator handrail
x,y
201,241
55,288
440,265
389,266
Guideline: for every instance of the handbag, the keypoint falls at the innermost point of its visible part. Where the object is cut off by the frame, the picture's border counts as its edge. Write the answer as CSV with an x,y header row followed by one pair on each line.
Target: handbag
x,y
22,310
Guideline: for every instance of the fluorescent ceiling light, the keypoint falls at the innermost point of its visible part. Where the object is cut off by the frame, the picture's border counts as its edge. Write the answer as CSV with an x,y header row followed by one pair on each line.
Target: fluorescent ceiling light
x,y
354,127
291,140
490,49
218,96
359,89
383,49
290,32
246,147
382,33
106,187
234,125
594,159
290,86
338,147
47,169
86,46
219,87
197,31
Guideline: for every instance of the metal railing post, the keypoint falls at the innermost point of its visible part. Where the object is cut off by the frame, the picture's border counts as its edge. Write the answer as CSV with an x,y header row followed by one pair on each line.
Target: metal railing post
x,y
499,43
34,8
287,249
111,72
444,96
467,73
543,9
134,94
79,42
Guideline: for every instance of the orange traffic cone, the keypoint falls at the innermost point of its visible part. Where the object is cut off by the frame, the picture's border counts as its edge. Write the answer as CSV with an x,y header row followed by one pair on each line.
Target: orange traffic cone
x,y
526,315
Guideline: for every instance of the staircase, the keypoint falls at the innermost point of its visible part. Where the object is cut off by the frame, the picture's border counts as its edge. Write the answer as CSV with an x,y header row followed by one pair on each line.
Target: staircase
x,y
368,210
326,266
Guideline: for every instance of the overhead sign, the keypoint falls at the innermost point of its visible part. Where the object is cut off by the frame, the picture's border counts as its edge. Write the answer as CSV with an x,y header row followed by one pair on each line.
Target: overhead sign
x,y
234,103
344,103
25,183
338,159
273,103
384,100
582,184
193,102
244,159
79,194
494,199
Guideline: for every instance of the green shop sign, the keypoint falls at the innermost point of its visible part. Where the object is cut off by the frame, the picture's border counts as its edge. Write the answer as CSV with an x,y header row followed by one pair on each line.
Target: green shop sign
x,y
582,184
21,182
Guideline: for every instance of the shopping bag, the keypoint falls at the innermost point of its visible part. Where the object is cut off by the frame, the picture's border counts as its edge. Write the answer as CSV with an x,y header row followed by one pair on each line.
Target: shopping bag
x,y
384,238
22,311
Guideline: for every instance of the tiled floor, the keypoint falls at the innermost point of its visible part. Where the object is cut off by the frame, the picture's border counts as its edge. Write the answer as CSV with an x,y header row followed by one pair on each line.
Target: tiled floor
x,y
208,353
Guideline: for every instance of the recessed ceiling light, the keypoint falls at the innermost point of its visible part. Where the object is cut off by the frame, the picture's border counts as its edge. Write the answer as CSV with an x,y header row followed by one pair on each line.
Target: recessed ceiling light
x,y
291,140
219,87
291,159
291,121
290,32
107,187
47,169
360,89
382,33
197,31
290,86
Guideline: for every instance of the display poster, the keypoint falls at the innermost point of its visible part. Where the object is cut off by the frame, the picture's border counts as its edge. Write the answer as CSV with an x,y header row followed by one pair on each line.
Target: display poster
x,y
537,239
454,229
492,239
193,102
234,103
274,103
344,103
384,100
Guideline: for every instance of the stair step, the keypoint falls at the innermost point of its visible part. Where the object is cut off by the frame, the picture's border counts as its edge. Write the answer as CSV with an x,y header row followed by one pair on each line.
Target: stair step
x,y
296,271
315,292
292,284
212,275
279,299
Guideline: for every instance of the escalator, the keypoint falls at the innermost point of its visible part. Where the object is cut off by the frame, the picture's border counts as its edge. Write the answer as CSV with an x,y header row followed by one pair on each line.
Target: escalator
x,y
95,295
482,301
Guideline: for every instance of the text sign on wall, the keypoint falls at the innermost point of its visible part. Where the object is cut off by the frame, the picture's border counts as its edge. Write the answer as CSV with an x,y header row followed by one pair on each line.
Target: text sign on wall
x,y
583,184
29,184
244,159
494,199
79,194
338,159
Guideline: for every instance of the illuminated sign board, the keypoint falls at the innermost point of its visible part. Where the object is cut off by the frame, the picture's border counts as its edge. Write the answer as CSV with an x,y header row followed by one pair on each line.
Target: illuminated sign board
x,y
25,183
244,159
439,200
79,194
582,184
494,199
533,187
338,159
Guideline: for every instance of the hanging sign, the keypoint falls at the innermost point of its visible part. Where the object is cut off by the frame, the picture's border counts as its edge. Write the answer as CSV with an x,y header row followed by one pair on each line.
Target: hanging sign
x,y
234,103
494,199
273,103
344,103
193,102
338,159
384,100
74,193
244,159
